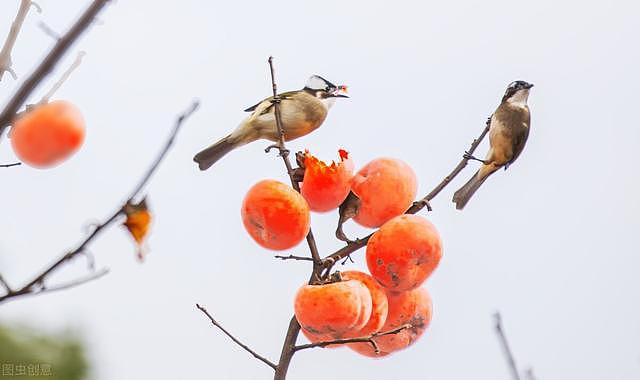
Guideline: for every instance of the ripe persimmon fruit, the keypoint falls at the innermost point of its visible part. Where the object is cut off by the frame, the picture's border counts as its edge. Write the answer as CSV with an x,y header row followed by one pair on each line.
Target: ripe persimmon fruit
x,y
414,308
326,186
333,309
48,134
275,215
404,252
386,188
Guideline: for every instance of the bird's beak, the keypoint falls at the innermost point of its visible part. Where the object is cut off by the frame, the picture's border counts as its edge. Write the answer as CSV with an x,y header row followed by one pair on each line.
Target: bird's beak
x,y
529,85
340,92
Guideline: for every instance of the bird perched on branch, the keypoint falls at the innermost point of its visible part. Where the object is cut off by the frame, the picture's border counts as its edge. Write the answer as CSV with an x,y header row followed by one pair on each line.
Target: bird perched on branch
x,y
302,112
508,132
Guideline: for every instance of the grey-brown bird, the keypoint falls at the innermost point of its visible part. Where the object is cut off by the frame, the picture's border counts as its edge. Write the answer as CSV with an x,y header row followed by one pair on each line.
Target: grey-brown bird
x,y
302,112
508,132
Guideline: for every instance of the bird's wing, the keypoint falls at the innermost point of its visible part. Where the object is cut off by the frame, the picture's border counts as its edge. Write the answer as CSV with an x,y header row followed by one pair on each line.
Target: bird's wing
x,y
519,140
269,107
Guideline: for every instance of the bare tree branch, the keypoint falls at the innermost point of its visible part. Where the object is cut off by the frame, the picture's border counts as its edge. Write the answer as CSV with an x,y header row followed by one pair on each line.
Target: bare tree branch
x,y
284,153
364,339
5,53
37,284
10,165
292,257
63,78
235,340
340,254
48,63
515,374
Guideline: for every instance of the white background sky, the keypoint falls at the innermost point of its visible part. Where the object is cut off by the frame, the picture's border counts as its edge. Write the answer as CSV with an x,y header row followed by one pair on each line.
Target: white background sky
x,y
552,242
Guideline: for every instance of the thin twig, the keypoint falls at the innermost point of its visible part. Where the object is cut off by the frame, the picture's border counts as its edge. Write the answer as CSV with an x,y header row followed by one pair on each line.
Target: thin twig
x,y
10,165
68,285
289,343
5,53
347,250
48,31
365,339
235,340
63,78
292,257
39,280
284,153
48,63
505,347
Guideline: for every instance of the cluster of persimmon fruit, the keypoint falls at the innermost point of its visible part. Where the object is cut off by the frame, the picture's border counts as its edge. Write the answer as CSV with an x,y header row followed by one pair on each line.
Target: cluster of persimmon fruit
x,y
47,134
400,255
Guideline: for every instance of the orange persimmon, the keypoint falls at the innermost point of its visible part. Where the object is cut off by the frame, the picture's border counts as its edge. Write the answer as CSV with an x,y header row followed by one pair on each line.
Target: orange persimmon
x,y
333,309
48,134
414,308
276,216
326,186
404,252
386,188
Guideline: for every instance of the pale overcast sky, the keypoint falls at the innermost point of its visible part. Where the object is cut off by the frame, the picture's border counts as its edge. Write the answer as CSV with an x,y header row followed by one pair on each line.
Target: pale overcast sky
x,y
552,243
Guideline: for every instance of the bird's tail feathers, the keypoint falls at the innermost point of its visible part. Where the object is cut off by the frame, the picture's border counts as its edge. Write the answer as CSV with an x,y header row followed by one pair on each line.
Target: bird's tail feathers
x,y
462,196
215,152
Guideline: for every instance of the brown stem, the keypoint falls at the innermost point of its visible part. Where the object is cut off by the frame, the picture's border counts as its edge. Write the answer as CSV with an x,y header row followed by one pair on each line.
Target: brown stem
x,y
37,284
292,257
284,153
364,339
288,349
48,63
235,340
345,251
505,347
294,328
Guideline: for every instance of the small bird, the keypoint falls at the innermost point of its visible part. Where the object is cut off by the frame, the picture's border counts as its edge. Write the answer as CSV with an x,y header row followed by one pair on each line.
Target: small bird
x,y
302,112
508,132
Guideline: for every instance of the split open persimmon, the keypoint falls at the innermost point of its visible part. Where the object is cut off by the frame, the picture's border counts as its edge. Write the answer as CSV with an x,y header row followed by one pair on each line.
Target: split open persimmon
x,y
48,134
333,309
276,216
404,252
326,186
412,308
386,188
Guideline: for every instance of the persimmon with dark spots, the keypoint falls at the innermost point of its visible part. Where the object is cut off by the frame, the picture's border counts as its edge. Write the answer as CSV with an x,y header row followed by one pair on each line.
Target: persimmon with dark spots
x,y
386,188
334,308
379,304
412,308
275,215
404,252
326,186
48,134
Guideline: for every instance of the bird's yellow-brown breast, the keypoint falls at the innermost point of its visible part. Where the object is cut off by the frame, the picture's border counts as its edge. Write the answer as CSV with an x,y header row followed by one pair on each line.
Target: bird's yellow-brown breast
x,y
509,127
